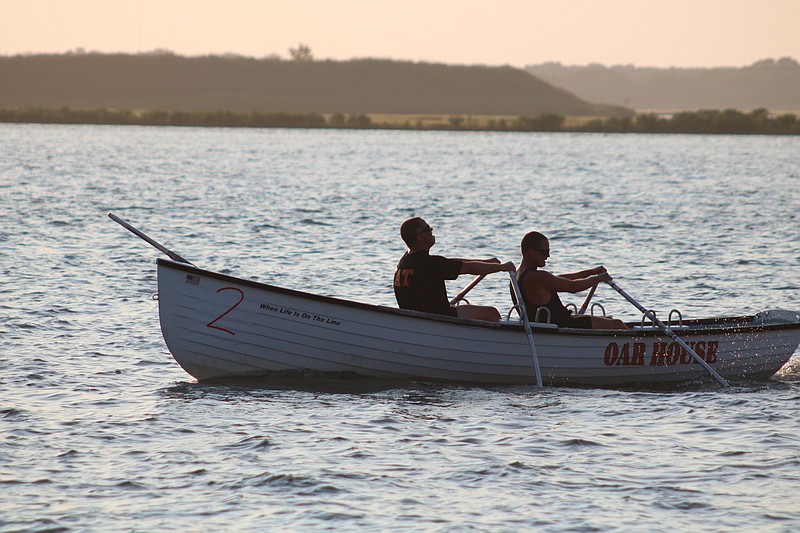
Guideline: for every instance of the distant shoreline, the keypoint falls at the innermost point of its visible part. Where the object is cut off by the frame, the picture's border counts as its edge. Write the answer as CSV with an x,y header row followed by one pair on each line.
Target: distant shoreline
x,y
729,121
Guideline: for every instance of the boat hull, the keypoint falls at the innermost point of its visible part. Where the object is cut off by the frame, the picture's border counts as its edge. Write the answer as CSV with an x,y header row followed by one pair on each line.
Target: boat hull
x,y
218,326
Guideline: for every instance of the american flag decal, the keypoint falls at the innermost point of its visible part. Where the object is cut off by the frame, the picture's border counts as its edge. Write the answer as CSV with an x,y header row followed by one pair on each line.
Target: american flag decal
x,y
194,280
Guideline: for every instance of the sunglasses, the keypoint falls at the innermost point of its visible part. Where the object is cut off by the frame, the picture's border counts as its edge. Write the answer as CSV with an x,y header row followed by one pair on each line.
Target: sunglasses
x,y
423,230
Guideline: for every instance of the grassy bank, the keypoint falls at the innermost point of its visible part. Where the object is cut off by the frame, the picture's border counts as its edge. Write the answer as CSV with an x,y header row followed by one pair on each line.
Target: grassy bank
x,y
728,121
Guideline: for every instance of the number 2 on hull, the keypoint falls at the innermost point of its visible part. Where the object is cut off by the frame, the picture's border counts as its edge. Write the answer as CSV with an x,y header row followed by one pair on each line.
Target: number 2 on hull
x,y
231,308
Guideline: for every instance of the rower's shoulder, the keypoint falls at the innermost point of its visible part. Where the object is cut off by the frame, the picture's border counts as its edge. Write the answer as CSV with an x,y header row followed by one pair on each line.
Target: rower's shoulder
x,y
534,276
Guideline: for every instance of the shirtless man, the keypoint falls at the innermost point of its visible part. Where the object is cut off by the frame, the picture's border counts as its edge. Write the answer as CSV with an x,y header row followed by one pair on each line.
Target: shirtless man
x,y
419,278
540,288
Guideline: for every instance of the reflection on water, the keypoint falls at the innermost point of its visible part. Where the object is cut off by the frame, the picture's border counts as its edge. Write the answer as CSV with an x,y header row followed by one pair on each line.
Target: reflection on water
x,y
322,382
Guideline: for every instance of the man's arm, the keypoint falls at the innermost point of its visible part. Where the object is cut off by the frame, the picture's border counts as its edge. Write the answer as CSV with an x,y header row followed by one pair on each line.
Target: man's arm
x,y
481,268
585,273
555,283
463,260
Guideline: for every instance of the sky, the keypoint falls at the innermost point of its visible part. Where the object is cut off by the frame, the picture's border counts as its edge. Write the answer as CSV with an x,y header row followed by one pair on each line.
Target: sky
x,y
658,33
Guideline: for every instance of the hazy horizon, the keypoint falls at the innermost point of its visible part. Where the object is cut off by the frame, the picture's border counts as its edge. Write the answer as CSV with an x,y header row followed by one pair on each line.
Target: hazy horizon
x,y
657,33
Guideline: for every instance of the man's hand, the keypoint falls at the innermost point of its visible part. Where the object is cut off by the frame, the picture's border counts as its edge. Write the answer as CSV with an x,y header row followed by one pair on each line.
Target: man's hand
x,y
508,266
604,276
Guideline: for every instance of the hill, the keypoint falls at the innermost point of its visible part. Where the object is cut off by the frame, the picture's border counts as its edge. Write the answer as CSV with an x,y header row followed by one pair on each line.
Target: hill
x,y
176,83
769,84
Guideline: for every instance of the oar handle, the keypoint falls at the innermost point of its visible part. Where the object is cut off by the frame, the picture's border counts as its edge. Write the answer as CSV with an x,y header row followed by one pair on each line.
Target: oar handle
x,y
460,296
587,300
666,329
172,255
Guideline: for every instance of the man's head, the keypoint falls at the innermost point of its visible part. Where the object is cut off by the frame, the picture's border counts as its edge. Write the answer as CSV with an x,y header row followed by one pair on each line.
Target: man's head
x,y
412,230
535,247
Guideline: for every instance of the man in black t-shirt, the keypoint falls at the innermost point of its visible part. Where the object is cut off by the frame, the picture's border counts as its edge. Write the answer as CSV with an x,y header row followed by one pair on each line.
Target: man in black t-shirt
x,y
419,279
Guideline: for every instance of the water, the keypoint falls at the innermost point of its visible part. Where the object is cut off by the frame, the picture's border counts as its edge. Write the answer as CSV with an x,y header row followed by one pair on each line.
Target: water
x,y
101,430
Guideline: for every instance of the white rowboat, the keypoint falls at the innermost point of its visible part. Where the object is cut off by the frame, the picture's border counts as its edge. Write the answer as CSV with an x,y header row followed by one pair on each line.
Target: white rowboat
x,y
219,326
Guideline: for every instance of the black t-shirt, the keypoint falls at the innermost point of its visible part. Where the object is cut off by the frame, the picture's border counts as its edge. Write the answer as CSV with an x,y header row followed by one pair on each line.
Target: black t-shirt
x,y
419,282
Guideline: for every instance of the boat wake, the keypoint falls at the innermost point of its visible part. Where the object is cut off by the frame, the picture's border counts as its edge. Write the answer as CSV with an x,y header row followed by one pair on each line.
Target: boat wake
x,y
790,372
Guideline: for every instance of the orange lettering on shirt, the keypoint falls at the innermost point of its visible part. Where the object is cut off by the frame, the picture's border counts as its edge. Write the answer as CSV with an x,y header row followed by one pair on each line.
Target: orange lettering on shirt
x,y
401,277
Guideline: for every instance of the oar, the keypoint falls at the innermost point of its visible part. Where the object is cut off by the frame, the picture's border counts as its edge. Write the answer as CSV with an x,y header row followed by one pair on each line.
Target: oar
x,y
172,255
528,332
460,296
585,304
666,329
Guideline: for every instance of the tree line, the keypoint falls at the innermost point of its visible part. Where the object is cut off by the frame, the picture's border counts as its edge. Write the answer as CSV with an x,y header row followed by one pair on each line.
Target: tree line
x,y
728,121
